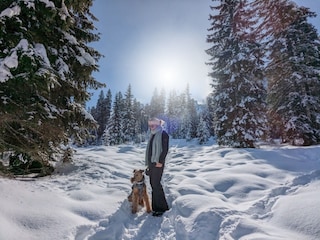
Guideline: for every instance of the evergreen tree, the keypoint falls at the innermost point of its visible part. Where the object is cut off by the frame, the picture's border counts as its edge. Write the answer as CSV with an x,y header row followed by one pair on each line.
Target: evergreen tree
x,y
237,74
129,121
108,105
45,73
191,115
173,118
106,137
294,70
157,104
182,113
203,133
141,121
113,134
92,139
272,17
99,115
208,114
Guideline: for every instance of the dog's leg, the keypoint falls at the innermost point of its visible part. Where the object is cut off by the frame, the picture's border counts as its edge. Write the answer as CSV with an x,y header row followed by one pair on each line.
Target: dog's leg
x,y
130,197
135,200
141,202
146,199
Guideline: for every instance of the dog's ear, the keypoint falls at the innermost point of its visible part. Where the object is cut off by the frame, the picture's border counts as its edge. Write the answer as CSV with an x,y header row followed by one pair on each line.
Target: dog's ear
x,y
134,170
141,170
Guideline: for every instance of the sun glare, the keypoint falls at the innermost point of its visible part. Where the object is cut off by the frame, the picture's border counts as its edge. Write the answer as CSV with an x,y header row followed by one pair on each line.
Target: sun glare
x,y
168,62
169,73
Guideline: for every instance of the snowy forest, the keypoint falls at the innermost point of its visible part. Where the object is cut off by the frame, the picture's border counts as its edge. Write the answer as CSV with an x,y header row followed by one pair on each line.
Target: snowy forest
x,y
265,71
125,120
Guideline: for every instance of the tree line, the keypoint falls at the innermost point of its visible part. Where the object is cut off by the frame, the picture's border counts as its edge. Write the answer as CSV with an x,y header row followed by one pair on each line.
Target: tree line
x,y
123,119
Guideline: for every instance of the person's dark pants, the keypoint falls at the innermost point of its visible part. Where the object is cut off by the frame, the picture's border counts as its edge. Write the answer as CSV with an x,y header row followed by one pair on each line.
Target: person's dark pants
x,y
159,202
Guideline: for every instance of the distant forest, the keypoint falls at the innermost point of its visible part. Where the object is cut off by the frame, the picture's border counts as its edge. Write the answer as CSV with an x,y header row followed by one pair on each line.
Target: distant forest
x,y
123,119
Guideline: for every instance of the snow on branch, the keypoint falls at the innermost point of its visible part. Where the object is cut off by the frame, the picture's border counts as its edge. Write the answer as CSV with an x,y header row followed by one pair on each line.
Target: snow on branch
x,y
10,12
48,3
11,61
85,58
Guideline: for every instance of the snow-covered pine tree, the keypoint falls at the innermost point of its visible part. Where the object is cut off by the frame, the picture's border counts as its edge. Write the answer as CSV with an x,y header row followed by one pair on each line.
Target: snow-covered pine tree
x,y
113,134
45,73
106,138
108,105
237,74
173,118
203,133
98,115
129,121
141,126
191,116
181,111
272,17
294,80
101,113
157,104
208,112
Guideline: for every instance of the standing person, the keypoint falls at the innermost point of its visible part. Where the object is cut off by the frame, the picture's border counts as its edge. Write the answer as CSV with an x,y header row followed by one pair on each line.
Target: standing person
x,y
156,153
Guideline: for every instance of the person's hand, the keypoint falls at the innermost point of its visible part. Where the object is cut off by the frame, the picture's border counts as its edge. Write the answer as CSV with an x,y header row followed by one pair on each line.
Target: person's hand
x,y
158,164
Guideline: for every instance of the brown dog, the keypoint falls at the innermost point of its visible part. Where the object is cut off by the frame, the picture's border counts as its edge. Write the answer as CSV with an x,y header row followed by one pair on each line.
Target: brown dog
x,y
139,195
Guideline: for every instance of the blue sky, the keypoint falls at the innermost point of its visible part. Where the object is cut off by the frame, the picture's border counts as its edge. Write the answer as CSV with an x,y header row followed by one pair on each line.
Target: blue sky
x,y
156,44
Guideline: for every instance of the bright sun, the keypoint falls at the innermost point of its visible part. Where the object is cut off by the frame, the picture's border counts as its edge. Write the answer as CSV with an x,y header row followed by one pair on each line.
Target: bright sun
x,y
167,62
169,73
167,68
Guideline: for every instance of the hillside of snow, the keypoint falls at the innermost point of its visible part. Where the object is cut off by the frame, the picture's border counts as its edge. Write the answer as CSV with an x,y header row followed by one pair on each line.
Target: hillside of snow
x,y
269,193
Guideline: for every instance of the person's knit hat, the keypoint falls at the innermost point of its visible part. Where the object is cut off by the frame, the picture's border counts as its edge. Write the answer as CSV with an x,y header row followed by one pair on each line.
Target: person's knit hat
x,y
155,121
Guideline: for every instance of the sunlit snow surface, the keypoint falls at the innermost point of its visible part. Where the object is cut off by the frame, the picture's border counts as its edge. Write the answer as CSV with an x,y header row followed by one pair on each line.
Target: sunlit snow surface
x,y
214,193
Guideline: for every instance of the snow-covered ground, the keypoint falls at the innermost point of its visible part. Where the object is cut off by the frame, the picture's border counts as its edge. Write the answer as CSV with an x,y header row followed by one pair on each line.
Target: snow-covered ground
x,y
214,193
